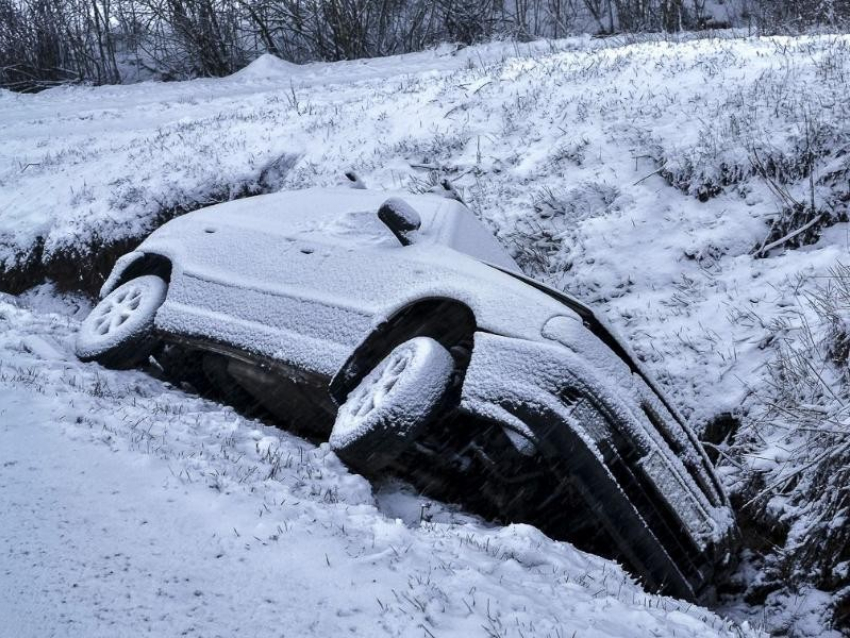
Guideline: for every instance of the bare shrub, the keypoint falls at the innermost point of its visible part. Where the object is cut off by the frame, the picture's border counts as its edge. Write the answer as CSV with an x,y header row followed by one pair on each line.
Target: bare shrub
x,y
48,42
44,42
545,243
800,445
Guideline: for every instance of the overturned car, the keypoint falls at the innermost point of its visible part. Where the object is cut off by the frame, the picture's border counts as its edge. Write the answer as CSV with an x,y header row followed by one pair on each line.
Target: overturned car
x,y
397,328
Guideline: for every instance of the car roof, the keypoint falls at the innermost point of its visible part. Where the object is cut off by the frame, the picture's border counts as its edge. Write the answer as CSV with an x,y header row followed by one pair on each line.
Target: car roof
x,y
348,217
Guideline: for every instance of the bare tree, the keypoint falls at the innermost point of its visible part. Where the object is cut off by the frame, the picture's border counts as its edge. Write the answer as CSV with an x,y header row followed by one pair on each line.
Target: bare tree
x,y
44,42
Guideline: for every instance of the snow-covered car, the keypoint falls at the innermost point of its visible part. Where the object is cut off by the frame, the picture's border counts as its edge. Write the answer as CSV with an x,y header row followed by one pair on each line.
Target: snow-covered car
x,y
397,327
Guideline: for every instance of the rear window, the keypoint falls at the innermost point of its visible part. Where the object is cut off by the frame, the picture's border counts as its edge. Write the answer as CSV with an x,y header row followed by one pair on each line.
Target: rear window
x,y
461,230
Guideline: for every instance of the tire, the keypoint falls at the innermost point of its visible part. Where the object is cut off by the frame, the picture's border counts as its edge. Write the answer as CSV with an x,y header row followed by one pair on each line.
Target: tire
x,y
392,404
118,333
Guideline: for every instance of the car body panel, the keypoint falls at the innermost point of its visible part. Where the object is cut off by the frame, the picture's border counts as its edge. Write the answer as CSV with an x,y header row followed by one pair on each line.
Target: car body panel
x,y
122,264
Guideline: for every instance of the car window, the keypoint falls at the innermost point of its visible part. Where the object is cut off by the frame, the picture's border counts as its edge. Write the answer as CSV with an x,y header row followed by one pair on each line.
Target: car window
x,y
457,227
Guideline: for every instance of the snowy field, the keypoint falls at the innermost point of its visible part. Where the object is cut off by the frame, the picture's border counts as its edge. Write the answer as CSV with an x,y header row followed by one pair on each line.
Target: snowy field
x,y
133,508
641,177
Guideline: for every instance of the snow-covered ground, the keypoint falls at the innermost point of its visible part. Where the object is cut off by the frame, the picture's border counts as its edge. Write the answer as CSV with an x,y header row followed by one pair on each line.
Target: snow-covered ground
x,y
641,177
131,507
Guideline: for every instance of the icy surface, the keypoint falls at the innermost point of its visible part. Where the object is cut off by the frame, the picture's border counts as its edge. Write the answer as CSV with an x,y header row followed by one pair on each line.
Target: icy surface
x,y
139,508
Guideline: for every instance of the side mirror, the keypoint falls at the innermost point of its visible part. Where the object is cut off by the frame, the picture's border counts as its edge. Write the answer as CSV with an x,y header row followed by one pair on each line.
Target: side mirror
x,y
400,218
354,180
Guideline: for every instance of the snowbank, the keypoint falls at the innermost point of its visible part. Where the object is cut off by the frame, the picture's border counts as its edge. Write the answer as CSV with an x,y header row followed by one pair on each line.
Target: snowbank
x,y
267,67
139,508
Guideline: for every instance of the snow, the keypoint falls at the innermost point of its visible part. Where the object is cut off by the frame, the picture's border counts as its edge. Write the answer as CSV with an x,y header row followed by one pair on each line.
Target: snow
x,y
267,67
556,146
578,126
308,296
142,509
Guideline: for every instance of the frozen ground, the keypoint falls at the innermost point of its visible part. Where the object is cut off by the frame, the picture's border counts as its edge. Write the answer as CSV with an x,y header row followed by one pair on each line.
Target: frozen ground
x,y
641,177
132,508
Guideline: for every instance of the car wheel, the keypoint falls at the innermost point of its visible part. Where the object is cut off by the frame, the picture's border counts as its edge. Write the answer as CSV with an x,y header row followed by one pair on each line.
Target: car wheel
x,y
118,333
392,404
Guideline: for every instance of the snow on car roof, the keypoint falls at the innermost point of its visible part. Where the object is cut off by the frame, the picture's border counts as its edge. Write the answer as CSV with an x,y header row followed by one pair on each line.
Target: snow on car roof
x,y
348,216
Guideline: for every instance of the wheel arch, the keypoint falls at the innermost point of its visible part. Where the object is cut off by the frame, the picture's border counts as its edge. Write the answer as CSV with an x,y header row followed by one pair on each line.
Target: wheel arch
x,y
449,321
136,264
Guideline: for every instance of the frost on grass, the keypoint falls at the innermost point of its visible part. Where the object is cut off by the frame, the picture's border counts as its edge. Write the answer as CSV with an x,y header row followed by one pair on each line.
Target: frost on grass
x,y
761,121
795,447
291,530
